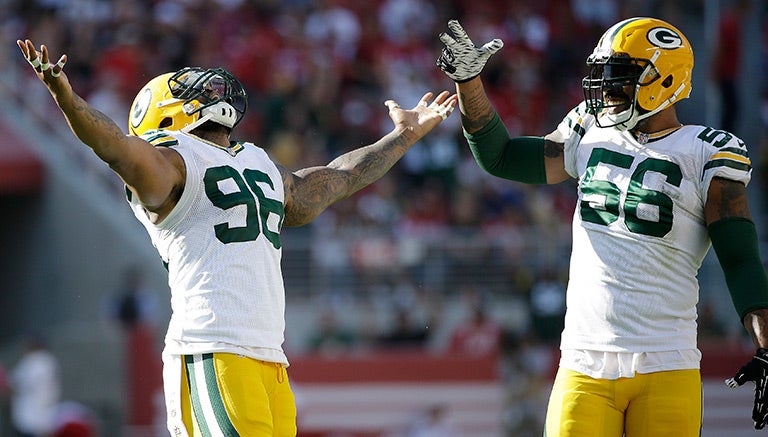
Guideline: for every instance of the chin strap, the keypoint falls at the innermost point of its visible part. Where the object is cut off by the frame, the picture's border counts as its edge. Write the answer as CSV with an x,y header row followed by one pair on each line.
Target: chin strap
x,y
221,112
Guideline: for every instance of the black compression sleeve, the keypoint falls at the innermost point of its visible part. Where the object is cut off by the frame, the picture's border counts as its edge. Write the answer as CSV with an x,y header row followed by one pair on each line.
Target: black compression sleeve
x,y
519,159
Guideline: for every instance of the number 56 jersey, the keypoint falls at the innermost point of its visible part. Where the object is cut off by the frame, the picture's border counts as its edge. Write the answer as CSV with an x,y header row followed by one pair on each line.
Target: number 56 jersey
x,y
639,235
221,245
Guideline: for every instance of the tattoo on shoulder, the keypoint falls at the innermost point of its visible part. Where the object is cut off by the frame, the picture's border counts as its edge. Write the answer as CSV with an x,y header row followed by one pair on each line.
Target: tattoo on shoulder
x,y
733,198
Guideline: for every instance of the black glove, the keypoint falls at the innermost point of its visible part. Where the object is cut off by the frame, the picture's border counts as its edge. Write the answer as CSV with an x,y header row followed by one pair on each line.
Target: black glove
x,y
756,370
460,59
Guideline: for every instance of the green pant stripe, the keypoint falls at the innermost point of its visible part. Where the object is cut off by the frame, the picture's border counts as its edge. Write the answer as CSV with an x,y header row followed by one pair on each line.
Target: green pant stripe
x,y
217,402
194,396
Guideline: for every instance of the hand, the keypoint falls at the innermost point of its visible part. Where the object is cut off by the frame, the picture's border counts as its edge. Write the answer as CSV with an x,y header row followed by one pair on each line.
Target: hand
x,y
756,370
424,116
49,73
460,59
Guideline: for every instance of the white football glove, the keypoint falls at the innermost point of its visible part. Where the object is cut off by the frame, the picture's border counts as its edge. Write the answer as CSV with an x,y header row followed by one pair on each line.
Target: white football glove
x,y
460,59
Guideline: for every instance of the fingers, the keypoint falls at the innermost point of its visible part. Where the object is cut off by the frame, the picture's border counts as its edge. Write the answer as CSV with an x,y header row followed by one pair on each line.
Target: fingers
x,y
59,67
391,104
731,382
44,61
424,101
40,61
492,47
447,39
443,104
459,32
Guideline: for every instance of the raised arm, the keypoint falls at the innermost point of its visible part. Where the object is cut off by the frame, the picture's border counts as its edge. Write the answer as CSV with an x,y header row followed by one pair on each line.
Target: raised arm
x,y
311,190
154,175
529,159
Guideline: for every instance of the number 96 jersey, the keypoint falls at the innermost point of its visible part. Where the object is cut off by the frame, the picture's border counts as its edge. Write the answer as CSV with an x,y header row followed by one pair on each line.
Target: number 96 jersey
x,y
221,245
639,235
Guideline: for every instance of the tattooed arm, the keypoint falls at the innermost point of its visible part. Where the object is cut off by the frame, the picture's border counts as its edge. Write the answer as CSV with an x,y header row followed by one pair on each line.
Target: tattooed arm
x,y
309,191
155,176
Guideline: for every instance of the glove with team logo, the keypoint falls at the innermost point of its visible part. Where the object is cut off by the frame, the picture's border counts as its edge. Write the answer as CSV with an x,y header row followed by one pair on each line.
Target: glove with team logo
x,y
756,370
460,59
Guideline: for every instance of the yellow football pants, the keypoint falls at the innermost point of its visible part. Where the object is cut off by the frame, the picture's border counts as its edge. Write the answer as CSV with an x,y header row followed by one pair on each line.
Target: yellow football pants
x,y
653,405
229,395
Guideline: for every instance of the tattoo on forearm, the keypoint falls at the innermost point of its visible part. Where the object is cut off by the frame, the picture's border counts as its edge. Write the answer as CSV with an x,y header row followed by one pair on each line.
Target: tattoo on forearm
x,y
476,111
315,189
89,122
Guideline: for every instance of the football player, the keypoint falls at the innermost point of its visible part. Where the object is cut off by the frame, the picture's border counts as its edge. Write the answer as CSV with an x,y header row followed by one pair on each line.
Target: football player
x,y
653,195
214,209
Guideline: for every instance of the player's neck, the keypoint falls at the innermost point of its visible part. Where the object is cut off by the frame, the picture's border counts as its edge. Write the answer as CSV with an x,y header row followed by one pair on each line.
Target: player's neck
x,y
218,138
666,119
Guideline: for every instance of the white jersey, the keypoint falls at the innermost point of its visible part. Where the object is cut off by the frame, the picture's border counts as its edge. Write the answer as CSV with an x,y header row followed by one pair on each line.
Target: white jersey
x,y
221,245
639,235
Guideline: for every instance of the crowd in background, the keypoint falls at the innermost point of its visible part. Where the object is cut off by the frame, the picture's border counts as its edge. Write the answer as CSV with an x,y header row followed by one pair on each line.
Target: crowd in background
x,y
317,73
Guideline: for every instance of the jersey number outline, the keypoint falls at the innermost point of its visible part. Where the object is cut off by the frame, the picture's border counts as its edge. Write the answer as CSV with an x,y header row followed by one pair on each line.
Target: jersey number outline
x,y
604,204
249,194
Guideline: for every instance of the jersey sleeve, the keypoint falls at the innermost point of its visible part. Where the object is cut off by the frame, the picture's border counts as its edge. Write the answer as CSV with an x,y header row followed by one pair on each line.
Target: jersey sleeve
x,y
160,138
572,130
726,156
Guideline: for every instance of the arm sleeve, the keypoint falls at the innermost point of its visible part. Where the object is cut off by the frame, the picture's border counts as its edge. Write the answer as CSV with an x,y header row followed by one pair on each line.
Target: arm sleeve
x,y
735,242
519,159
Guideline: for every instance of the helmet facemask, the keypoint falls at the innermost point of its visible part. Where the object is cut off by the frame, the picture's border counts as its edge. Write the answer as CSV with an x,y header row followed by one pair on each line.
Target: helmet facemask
x,y
214,94
612,87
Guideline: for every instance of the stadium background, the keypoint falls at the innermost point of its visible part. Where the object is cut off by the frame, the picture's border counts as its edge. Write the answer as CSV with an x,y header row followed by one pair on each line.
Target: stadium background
x,y
427,242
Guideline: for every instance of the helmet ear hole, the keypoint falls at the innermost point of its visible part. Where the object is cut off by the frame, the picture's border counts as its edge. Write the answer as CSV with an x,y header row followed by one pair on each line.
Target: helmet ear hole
x,y
668,81
166,122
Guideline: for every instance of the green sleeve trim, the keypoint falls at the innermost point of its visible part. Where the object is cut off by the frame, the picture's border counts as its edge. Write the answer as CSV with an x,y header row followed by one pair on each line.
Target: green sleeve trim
x,y
519,159
735,242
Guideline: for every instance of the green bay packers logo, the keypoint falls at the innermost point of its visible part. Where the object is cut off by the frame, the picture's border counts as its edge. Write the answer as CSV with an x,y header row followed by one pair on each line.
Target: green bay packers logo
x,y
140,107
664,38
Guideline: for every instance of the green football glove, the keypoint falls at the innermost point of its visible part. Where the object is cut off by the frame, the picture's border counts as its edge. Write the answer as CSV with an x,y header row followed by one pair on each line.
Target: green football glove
x,y
755,370
460,59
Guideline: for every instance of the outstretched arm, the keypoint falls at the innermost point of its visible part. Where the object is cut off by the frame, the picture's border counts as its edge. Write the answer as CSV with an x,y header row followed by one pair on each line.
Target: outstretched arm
x,y
154,175
536,160
311,190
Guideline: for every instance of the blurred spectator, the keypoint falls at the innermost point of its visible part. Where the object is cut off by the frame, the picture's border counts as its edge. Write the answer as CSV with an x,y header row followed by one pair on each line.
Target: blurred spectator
x,y
135,303
547,306
478,337
330,338
726,62
73,419
135,308
406,332
35,390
